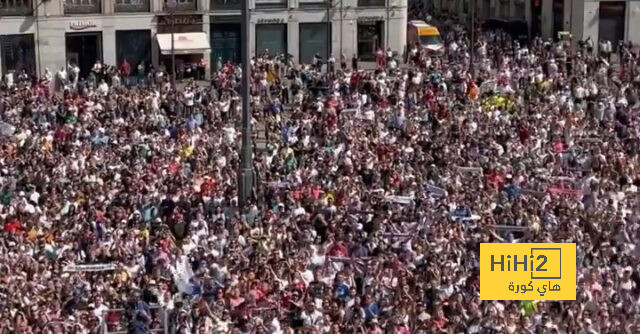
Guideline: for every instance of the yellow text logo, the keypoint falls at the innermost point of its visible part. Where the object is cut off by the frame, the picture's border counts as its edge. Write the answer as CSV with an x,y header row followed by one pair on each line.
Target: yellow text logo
x,y
527,271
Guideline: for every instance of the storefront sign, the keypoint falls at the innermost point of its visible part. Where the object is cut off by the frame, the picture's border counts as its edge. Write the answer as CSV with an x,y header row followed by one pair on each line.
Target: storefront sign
x,y
369,18
270,21
81,25
180,19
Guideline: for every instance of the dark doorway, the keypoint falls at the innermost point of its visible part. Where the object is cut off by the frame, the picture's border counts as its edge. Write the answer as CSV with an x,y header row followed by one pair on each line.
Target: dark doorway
x,y
558,17
225,43
536,18
84,49
313,40
369,39
612,22
134,46
271,38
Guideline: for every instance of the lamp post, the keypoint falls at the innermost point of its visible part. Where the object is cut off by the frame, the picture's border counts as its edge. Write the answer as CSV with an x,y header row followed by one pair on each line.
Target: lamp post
x,y
171,5
386,25
245,172
341,20
329,3
472,42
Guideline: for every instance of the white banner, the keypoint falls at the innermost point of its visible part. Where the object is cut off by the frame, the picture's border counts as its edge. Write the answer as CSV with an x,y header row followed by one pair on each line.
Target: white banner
x,y
74,268
400,199
182,274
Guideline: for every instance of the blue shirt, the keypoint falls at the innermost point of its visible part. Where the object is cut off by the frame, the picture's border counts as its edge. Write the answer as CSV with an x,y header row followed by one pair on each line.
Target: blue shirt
x,y
371,311
342,290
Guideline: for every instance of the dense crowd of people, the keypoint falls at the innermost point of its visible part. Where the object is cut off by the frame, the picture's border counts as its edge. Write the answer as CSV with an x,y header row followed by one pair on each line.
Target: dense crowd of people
x,y
373,191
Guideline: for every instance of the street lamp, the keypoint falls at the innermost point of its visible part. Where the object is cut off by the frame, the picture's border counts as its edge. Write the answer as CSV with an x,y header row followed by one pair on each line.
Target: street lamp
x,y
171,6
245,172
472,41
329,3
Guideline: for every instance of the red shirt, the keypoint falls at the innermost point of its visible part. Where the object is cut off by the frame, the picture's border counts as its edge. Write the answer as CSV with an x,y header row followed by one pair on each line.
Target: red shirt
x,y
332,103
495,179
558,147
207,187
524,133
174,167
61,135
331,120
125,68
402,330
439,323
338,249
13,226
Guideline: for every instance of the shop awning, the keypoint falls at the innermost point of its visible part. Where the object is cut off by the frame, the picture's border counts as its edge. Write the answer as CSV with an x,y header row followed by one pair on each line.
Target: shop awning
x,y
184,43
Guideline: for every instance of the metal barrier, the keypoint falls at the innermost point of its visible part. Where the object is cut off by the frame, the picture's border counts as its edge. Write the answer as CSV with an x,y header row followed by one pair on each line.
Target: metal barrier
x,y
116,321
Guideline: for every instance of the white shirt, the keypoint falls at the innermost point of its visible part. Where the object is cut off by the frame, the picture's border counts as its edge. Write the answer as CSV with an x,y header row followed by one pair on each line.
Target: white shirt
x,y
103,89
188,96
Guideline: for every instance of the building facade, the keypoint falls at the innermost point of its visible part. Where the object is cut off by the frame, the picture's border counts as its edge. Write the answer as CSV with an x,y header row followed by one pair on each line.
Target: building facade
x,y
55,32
609,20
613,20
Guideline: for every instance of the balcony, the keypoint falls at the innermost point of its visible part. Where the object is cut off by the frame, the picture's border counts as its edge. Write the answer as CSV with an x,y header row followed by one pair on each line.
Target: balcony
x,y
181,6
16,8
82,6
131,6
372,3
225,4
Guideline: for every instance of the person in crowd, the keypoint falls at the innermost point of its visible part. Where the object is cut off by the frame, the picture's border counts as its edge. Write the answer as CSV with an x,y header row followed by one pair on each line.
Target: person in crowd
x,y
125,71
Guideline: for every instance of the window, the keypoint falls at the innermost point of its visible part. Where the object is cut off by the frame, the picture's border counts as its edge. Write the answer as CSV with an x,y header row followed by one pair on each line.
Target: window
x,y
123,6
225,4
520,10
181,5
486,9
18,53
369,39
82,6
504,9
15,7
311,3
372,3
271,3
430,40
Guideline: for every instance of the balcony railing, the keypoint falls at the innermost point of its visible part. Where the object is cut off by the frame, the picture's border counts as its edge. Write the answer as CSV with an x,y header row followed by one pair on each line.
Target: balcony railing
x,y
181,6
82,6
371,3
225,4
16,8
131,6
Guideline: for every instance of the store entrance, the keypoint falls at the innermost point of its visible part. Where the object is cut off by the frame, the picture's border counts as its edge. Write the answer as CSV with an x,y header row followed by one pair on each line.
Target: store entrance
x,y
186,66
536,18
369,39
225,43
612,22
558,17
84,49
